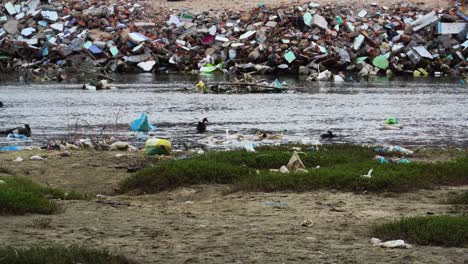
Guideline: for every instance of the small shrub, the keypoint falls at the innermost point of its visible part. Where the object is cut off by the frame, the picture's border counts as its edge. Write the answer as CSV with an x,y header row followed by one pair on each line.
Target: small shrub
x,y
59,255
341,167
20,196
432,230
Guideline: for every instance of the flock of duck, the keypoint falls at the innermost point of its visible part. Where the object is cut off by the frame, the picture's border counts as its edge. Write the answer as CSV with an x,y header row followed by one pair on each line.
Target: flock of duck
x,y
201,128
202,125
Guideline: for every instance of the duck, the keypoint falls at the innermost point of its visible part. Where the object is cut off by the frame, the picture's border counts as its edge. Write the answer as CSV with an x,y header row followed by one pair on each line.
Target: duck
x,y
201,127
7,132
1,104
26,130
329,134
261,135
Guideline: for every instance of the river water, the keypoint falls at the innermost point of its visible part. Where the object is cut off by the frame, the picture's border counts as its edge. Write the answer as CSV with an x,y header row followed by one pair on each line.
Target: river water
x,y
434,112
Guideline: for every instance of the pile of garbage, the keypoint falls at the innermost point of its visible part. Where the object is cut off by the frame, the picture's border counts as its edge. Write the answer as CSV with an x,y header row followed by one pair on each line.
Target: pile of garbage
x,y
324,42
51,34
247,84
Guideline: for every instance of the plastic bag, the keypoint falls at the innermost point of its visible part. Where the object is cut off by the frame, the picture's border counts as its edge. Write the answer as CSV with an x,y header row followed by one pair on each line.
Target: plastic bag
x,y
156,146
141,124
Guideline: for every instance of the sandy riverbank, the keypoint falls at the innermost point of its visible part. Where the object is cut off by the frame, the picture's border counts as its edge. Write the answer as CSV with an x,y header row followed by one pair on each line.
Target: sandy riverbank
x,y
211,224
202,224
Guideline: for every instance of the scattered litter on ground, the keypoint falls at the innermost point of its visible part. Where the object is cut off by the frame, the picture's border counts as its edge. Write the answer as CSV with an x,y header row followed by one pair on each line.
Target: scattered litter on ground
x,y
37,157
156,146
276,203
390,244
113,203
307,223
368,175
395,149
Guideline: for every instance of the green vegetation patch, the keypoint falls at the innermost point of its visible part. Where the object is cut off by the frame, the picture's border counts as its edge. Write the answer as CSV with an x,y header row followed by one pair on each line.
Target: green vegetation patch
x,y
59,255
341,167
450,231
21,195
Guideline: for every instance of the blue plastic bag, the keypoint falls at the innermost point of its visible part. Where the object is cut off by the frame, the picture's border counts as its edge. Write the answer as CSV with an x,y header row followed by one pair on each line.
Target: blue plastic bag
x,y
18,136
141,124
11,148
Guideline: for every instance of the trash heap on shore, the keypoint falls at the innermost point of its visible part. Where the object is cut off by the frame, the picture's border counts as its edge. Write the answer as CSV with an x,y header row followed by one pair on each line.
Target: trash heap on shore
x,y
324,42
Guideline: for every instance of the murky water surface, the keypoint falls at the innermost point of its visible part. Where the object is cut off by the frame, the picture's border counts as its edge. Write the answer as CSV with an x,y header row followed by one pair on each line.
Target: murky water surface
x,y
433,112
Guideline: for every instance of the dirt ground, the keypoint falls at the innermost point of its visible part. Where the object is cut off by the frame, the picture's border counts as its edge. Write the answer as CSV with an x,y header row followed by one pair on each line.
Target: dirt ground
x,y
203,5
203,225
95,172
208,224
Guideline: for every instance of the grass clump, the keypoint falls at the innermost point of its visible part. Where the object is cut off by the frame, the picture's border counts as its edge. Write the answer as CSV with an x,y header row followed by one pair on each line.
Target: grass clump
x,y
450,231
59,255
341,167
459,199
21,195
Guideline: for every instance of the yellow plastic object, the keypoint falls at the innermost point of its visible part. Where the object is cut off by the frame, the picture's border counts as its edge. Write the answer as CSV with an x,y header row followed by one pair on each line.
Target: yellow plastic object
x,y
158,146
201,86
420,73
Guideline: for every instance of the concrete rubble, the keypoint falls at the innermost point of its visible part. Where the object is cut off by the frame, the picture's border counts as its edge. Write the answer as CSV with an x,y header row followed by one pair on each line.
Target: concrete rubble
x,y
310,39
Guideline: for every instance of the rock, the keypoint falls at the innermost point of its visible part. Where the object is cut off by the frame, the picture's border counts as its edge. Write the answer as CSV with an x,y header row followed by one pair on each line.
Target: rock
x,y
71,146
246,17
324,76
147,66
119,145
132,148
254,55
11,27
65,154
103,85
210,51
28,31
320,21
338,79
247,34
271,24
303,70
358,41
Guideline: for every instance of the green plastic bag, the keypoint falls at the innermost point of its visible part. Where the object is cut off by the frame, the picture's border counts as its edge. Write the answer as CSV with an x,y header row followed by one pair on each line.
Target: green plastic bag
x,y
209,68
381,62
151,151
392,121
339,20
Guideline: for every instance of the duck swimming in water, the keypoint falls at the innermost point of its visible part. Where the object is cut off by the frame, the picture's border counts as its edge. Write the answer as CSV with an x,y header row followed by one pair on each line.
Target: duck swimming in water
x,y
201,127
329,134
26,130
